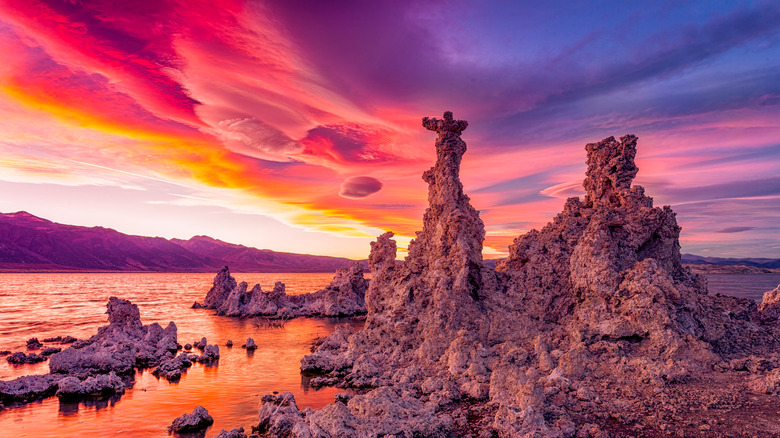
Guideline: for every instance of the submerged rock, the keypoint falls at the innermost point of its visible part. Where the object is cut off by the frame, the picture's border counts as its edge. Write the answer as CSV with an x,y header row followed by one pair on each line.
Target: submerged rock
x,y
172,369
200,345
19,358
33,344
591,324
50,350
210,354
199,419
250,344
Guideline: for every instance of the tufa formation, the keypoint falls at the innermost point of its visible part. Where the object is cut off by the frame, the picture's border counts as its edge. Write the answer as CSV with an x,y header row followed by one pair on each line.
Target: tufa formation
x,y
591,326
95,366
344,296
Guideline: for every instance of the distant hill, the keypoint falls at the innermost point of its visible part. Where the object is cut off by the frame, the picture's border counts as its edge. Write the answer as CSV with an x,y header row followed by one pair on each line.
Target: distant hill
x,y
691,259
247,259
30,243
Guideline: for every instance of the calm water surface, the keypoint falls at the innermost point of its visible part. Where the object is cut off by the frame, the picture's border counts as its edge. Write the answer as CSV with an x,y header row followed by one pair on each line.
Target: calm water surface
x,y
742,285
47,305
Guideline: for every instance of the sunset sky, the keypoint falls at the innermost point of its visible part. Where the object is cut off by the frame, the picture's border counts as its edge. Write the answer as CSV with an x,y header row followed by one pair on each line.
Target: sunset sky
x,y
295,125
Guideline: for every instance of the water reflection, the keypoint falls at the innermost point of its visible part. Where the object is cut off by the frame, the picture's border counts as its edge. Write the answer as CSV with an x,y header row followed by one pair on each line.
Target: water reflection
x,y
229,389
72,407
199,434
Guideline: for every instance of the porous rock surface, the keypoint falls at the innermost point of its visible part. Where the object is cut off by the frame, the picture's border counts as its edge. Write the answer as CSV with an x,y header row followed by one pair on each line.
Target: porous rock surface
x,y
344,296
20,358
232,433
88,365
199,419
591,327
172,368
770,305
101,384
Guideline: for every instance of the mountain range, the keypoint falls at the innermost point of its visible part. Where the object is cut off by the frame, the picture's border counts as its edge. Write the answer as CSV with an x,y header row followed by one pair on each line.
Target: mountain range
x,y
31,243
755,262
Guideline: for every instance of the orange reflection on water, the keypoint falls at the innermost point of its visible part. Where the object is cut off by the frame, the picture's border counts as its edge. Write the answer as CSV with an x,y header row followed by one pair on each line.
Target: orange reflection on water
x,y
230,390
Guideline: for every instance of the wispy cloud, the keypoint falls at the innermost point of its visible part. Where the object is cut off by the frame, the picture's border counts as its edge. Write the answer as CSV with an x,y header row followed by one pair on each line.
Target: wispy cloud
x,y
306,110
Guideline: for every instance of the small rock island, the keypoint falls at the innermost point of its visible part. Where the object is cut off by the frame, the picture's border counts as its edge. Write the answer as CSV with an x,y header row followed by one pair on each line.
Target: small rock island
x,y
344,296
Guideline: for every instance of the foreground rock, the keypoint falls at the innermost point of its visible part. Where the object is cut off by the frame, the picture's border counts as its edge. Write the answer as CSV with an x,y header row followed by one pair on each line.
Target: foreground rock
x,y
232,433
591,327
61,339
120,346
770,305
382,412
210,354
92,366
344,296
250,344
172,369
28,388
33,344
199,419
20,358
93,386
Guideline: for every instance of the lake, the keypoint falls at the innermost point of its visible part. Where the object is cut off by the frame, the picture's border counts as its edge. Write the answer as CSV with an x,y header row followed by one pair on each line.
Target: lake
x,y
47,305
750,286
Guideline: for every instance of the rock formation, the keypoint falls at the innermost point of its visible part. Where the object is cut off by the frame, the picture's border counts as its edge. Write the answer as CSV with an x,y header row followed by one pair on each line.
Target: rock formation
x,y
590,327
120,346
20,358
250,344
344,296
221,288
92,386
434,300
210,354
172,368
232,433
91,366
770,305
33,344
200,345
61,339
199,419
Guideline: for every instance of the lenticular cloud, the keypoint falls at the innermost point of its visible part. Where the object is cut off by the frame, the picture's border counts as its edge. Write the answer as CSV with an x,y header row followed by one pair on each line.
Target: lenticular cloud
x,y
358,187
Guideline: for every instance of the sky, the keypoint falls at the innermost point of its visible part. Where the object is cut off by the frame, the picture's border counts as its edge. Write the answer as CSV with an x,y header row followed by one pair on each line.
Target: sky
x,y
295,125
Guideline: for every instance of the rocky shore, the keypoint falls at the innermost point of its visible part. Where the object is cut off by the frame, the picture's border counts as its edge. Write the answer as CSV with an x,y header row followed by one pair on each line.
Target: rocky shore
x,y
590,328
344,296
96,366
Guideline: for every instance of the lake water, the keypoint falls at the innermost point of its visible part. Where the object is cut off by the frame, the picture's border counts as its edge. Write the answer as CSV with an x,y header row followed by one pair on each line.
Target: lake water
x,y
742,285
47,305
